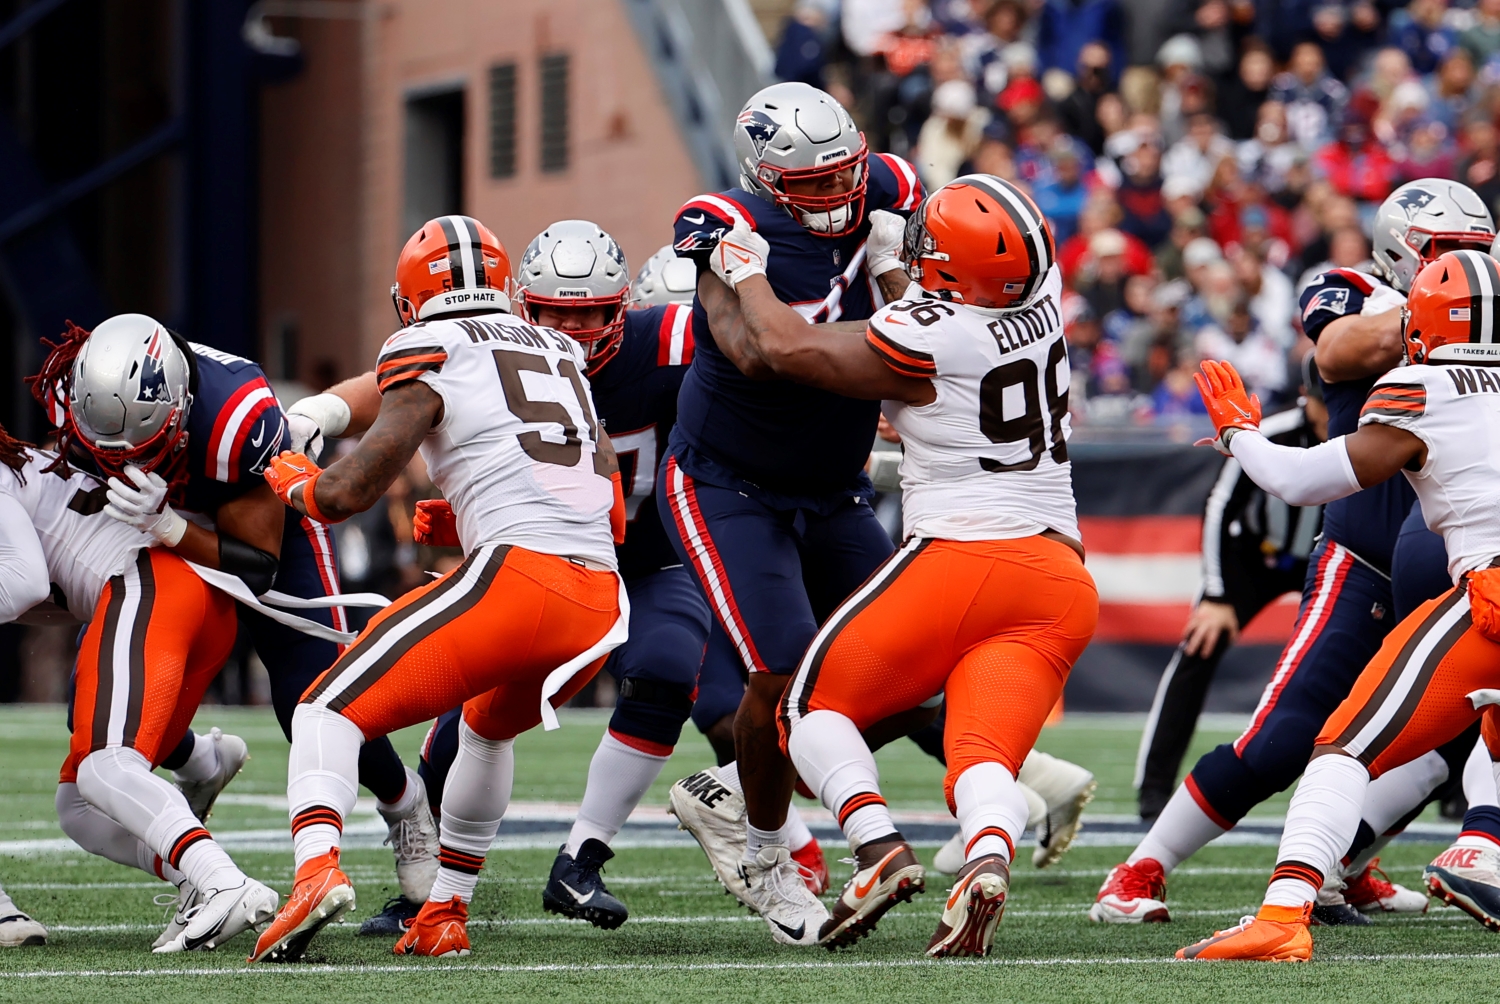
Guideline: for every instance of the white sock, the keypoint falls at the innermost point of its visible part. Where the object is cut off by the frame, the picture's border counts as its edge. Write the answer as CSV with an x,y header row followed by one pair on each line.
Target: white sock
x,y
991,811
202,762
730,775
1396,792
401,808
1481,776
832,757
1320,825
475,798
96,833
1178,833
210,869
322,779
618,778
794,832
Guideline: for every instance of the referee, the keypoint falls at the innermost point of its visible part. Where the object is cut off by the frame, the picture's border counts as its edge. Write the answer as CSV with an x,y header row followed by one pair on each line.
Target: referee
x,y
1255,548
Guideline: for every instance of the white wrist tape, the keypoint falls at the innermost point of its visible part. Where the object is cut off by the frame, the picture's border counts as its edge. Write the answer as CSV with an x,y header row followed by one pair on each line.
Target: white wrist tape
x,y
1313,476
329,411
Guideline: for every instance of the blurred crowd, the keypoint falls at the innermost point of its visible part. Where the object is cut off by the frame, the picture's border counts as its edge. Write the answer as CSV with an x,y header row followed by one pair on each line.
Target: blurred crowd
x,y
1199,160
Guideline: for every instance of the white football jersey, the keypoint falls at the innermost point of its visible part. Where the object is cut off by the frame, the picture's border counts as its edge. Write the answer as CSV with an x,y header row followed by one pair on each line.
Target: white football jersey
x,y
515,450
82,546
1455,410
988,460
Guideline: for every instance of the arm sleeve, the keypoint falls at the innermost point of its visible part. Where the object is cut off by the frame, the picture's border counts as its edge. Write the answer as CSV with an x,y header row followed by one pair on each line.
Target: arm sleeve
x,y
1331,295
702,221
1296,476
413,354
23,566
1217,515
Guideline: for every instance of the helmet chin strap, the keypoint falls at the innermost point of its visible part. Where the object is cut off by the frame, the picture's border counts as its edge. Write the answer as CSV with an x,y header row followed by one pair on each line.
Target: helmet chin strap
x,y
834,220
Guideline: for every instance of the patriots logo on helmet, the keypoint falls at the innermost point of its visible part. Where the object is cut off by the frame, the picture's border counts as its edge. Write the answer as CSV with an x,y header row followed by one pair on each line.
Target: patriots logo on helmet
x,y
153,384
1414,201
760,127
1335,301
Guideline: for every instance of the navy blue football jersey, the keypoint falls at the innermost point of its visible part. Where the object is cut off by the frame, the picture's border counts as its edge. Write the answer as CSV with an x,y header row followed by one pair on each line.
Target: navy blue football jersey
x,y
635,399
774,435
1369,521
235,428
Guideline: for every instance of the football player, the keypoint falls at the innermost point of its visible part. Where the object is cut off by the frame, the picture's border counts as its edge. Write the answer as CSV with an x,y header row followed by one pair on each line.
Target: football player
x,y
763,491
664,279
500,410
1349,601
182,428
987,601
1433,421
157,635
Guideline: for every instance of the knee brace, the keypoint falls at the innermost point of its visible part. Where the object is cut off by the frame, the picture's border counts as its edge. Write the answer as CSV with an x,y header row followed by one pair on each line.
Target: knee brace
x,y
653,710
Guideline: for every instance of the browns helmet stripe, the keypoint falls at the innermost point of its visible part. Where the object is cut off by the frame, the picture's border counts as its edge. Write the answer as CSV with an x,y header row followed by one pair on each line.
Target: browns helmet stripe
x,y
467,267
1489,287
1032,227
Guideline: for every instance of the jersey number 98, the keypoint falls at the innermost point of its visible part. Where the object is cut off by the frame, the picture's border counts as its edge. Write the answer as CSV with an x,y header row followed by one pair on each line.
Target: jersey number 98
x,y
1031,425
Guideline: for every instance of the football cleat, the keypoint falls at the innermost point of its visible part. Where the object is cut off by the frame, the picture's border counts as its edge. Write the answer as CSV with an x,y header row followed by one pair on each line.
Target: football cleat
x,y
392,919
201,795
17,930
1331,909
1275,934
1371,891
779,893
441,931
814,867
1066,788
413,837
973,911
715,816
183,901
1468,878
321,895
576,889
885,873
216,918
1132,894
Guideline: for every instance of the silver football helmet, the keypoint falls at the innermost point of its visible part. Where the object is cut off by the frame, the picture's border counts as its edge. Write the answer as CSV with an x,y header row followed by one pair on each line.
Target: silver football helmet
x,y
1423,219
128,396
795,132
664,279
575,264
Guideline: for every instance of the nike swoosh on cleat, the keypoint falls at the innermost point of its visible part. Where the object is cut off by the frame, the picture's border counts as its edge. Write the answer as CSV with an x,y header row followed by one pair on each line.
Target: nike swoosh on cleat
x,y
860,891
794,933
581,899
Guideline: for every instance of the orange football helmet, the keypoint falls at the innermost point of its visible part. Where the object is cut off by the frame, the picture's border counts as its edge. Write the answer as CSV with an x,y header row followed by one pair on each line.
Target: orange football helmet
x,y
1453,312
453,263
979,240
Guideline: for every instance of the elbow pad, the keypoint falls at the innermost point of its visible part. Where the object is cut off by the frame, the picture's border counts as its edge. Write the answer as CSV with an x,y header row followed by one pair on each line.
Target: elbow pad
x,y
254,567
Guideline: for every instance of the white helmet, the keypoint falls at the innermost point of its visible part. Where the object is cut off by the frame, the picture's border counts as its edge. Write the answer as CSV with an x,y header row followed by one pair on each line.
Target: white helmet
x,y
573,263
795,132
128,396
1423,219
664,279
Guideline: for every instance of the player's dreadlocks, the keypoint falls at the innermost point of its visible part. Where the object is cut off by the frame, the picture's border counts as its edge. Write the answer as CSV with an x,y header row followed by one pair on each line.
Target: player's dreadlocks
x,y
50,388
13,453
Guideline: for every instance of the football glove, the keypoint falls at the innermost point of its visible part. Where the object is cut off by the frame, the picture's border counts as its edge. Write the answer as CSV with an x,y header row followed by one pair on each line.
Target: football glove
x,y
290,471
434,524
883,248
1230,408
143,505
312,418
739,254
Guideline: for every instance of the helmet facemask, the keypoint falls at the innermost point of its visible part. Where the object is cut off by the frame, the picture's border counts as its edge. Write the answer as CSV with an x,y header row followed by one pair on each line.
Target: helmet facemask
x,y
599,344
822,215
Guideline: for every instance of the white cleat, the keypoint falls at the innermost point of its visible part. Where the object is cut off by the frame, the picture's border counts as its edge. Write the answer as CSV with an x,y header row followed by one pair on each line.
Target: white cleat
x,y
223,915
1468,878
201,795
18,931
1372,891
973,911
186,898
715,815
414,839
1066,788
950,857
780,894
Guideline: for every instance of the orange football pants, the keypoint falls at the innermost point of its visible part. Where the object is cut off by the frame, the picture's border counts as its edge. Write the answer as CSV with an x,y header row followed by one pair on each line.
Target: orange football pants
x,y
486,635
995,624
1411,698
158,637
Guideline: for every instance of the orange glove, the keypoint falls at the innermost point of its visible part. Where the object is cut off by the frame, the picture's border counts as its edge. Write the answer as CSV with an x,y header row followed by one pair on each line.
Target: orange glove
x,y
1230,408
287,472
434,524
617,511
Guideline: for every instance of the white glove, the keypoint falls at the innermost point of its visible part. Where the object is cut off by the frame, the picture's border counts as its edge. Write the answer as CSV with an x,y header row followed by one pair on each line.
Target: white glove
x,y
1381,300
312,418
144,506
883,248
305,436
739,254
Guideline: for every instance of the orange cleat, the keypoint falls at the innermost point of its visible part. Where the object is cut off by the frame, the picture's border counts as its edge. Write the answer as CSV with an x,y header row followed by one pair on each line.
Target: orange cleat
x,y
814,868
440,930
1275,934
322,894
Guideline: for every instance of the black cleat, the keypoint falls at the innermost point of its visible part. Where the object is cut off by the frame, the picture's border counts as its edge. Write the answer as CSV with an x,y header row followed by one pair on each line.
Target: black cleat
x,y
1338,915
575,889
392,920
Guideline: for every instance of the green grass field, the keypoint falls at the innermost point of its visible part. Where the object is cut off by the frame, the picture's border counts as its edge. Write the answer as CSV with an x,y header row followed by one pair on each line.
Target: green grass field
x,y
685,940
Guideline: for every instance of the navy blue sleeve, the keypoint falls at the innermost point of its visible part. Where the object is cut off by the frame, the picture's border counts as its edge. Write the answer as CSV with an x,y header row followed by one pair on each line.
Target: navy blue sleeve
x,y
893,186
703,220
1333,294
